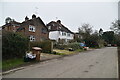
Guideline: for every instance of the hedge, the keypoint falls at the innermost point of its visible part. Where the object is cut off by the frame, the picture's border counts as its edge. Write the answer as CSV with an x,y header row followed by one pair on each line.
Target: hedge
x,y
45,45
14,45
74,46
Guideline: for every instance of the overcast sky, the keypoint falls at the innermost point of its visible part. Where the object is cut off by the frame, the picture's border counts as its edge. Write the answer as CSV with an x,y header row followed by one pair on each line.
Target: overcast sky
x,y
71,14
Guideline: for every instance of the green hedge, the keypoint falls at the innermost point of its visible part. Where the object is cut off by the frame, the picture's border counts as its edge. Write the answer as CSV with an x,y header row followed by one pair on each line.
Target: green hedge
x,y
14,45
45,45
74,46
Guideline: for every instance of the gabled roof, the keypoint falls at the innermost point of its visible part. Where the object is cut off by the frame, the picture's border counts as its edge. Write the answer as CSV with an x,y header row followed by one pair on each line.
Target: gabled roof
x,y
31,21
56,26
27,21
12,23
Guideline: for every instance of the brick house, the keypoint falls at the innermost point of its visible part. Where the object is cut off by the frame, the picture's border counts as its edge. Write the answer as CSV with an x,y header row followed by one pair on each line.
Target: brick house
x,y
33,28
77,36
11,25
59,32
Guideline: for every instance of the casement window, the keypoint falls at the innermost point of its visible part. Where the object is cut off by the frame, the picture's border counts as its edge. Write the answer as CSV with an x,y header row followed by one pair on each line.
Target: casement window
x,y
68,34
31,28
63,33
59,33
32,38
53,24
49,27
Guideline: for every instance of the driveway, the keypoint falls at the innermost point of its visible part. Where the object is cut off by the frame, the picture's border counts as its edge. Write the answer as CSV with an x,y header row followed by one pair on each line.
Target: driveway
x,y
98,63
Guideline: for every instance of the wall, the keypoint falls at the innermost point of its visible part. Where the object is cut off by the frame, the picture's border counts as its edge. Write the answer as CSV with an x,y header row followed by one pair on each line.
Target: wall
x,y
55,35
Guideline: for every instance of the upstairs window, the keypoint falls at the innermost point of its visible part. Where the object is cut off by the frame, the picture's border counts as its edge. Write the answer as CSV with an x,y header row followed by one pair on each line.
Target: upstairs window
x,y
31,28
63,33
68,34
49,27
32,38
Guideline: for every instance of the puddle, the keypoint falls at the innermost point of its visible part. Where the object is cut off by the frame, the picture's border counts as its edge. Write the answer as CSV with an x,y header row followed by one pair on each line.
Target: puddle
x,y
86,71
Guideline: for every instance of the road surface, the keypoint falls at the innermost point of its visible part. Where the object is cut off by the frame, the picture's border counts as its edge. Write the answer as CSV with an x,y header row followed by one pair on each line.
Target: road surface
x,y
98,63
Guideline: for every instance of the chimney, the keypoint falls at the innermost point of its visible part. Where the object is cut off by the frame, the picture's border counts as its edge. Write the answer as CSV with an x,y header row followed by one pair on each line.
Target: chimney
x,y
26,18
58,21
33,16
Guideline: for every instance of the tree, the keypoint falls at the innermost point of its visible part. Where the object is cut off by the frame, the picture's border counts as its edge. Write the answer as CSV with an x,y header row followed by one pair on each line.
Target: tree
x,y
116,26
109,37
14,45
85,29
8,20
100,32
117,39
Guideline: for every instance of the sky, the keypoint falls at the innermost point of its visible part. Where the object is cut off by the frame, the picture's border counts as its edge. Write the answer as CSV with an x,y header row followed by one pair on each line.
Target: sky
x,y
72,14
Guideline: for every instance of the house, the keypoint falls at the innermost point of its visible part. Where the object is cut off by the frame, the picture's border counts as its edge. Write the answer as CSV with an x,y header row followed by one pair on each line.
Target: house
x,y
59,32
11,25
78,37
33,28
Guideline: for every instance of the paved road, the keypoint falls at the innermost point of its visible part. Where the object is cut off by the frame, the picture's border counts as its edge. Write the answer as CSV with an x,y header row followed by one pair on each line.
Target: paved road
x,y
99,63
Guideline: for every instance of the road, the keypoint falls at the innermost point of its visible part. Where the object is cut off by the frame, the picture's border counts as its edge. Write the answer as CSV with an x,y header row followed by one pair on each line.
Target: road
x,y
98,63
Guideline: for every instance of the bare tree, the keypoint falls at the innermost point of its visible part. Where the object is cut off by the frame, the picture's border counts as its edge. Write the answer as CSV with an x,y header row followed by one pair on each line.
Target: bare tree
x,y
116,26
86,28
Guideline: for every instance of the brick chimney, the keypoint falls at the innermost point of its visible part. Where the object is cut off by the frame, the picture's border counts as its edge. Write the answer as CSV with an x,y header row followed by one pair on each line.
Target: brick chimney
x,y
33,16
58,21
26,18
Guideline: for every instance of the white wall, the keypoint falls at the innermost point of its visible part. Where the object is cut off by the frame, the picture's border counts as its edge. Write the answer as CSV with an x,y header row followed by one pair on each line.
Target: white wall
x,y
55,35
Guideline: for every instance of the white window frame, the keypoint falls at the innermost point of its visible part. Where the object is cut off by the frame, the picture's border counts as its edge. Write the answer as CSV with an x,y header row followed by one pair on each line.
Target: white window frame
x,y
49,27
32,38
32,28
63,33
68,34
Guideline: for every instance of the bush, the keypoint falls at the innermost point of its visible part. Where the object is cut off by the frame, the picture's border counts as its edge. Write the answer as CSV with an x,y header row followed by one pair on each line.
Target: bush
x,y
60,46
74,46
45,45
14,45
118,43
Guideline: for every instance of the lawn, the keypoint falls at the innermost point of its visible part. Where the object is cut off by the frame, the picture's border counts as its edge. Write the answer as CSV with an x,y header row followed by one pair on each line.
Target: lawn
x,y
66,52
12,63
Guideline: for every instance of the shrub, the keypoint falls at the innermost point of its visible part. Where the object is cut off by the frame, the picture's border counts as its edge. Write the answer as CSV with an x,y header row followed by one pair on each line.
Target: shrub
x,y
74,46
118,43
14,45
45,45
60,46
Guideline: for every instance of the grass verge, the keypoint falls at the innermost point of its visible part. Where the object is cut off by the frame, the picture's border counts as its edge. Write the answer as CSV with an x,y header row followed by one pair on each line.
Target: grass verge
x,y
11,63
66,52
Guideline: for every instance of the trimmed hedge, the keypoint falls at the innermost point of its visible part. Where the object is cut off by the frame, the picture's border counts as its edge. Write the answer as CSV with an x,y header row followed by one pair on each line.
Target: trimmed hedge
x,y
14,45
74,46
45,45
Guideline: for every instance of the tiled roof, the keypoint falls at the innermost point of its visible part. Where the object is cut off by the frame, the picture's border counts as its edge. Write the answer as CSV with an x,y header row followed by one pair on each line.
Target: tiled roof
x,y
55,26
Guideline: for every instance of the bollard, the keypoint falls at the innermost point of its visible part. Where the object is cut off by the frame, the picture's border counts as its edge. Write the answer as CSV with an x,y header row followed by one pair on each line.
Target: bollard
x,y
37,51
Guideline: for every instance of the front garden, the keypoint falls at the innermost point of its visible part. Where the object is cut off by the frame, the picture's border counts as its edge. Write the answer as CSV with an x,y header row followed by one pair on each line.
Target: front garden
x,y
15,45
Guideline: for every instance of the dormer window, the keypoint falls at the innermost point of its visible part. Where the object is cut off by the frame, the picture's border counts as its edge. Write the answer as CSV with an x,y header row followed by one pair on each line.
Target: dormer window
x,y
59,27
31,28
49,27
53,24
